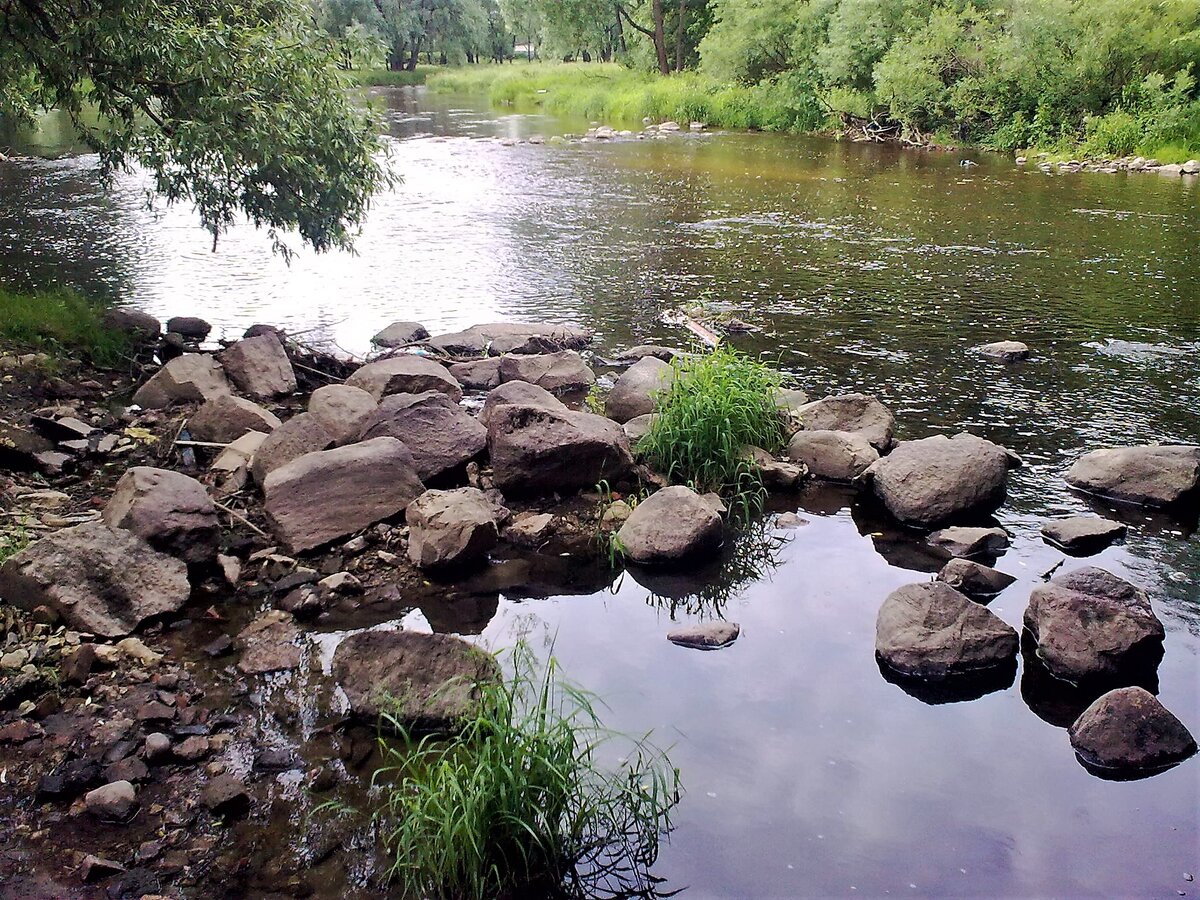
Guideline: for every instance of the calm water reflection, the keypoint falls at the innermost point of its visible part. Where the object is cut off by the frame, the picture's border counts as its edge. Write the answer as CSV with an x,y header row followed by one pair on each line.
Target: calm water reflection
x,y
807,772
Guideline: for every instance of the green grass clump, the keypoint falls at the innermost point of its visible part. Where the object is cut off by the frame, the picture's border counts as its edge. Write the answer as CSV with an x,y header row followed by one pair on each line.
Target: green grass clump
x,y
387,77
717,405
518,802
13,539
60,322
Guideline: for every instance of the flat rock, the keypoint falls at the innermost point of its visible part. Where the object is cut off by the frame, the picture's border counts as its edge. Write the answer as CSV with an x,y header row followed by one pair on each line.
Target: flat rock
x,y
518,393
832,455
259,367
530,530
858,413
1005,351
334,493
641,351
21,448
270,643
439,433
563,372
405,373
1149,475
191,378
931,631
705,635
96,578
967,543
932,481
974,579
341,409
171,511
451,528
226,418
297,436
637,391
670,526
1129,730
1091,625
400,333
426,680
226,796
478,374
508,337
1082,534
776,474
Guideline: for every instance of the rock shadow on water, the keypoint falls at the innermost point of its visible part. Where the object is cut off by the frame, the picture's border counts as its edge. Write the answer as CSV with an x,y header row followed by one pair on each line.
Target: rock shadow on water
x,y
908,548
1182,520
954,689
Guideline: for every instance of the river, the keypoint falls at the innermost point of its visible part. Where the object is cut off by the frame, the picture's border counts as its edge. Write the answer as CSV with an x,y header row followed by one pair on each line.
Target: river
x,y
864,267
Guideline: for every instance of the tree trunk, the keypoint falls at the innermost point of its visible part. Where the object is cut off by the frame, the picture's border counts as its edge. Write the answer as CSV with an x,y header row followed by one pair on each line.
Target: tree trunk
x,y
660,37
679,35
414,54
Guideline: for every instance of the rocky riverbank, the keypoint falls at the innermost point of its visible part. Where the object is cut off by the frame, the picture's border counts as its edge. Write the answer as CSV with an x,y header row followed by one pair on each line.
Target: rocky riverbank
x,y
188,632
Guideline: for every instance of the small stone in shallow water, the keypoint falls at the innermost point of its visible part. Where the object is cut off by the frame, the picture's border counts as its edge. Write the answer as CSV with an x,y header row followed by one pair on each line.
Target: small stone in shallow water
x,y
705,635
1082,534
1005,351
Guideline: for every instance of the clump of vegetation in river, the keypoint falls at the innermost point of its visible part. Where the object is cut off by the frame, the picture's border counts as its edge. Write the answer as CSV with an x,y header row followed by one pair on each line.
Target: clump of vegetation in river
x,y
718,404
521,798
60,322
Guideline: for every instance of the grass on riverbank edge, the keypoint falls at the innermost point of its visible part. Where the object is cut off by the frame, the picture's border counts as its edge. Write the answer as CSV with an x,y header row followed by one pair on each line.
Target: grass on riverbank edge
x,y
389,78
59,322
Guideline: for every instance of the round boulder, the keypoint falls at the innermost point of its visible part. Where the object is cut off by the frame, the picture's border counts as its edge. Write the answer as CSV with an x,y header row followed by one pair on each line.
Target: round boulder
x,y
1129,730
670,526
832,455
171,511
1153,476
637,390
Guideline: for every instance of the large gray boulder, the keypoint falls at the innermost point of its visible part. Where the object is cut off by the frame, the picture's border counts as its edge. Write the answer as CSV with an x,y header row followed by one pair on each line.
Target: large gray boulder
x,y
400,333
637,391
1129,730
977,581
832,455
536,449
439,433
934,480
405,373
518,393
859,413
451,528
508,337
478,374
97,578
423,680
169,510
1091,625
226,418
259,367
563,372
931,631
670,526
334,493
298,435
191,378
1153,476
1082,535
341,409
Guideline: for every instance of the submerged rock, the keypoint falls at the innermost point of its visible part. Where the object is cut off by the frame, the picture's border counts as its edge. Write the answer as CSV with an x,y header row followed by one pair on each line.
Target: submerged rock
x,y
559,373
509,337
400,333
705,635
1089,624
1082,534
832,455
259,367
1129,729
226,418
297,436
334,493
171,511
191,378
406,373
270,643
1005,351
969,542
637,391
451,528
931,631
857,413
974,579
96,578
439,433
1151,475
425,680
937,479
670,526
341,409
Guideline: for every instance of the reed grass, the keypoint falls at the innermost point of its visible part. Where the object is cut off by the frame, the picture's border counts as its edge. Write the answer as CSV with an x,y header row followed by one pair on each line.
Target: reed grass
x,y
61,323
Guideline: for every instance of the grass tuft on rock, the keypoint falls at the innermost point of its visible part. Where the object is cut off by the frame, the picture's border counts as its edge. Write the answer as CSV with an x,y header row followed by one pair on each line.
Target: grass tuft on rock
x,y
520,801
717,405
61,323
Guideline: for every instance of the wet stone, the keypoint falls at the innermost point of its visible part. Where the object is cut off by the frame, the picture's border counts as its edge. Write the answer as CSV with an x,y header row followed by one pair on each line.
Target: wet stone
x,y
705,635
226,796
113,802
1082,534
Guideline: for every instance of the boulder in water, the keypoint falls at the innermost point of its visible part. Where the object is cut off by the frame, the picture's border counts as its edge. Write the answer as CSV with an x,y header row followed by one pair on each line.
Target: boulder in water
x,y
637,391
832,455
858,413
1150,475
1129,730
406,373
670,526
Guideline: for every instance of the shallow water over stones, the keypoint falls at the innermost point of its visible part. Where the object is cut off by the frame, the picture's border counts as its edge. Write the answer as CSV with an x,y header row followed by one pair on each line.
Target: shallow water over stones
x,y
809,771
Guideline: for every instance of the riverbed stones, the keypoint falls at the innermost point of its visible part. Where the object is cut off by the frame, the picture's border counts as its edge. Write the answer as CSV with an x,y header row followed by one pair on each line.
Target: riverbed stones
x,y
400,333
968,543
1004,351
425,680
478,374
832,455
540,450
670,526
563,372
405,374
226,796
333,493
259,367
112,802
341,409
974,579
451,528
226,418
190,327
1149,475
170,510
191,378
134,322
270,643
637,391
96,578
858,413
518,393
1082,535
776,474
1091,625
297,436
934,480
705,635
641,351
439,433
1130,730
496,339
931,631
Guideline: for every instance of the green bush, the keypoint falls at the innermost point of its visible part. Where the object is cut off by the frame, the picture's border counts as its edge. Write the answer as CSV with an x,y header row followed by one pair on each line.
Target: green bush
x,y
517,802
60,322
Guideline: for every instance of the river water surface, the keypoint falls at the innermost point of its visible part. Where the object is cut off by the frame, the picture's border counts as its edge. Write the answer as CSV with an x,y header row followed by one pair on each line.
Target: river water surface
x,y
865,268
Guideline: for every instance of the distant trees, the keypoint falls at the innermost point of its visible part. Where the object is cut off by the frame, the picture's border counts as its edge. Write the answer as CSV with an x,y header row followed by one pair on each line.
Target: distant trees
x,y
399,31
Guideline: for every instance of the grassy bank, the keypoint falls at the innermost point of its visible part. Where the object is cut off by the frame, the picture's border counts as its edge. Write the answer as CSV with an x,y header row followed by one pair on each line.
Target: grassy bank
x,y
387,78
618,95
60,322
